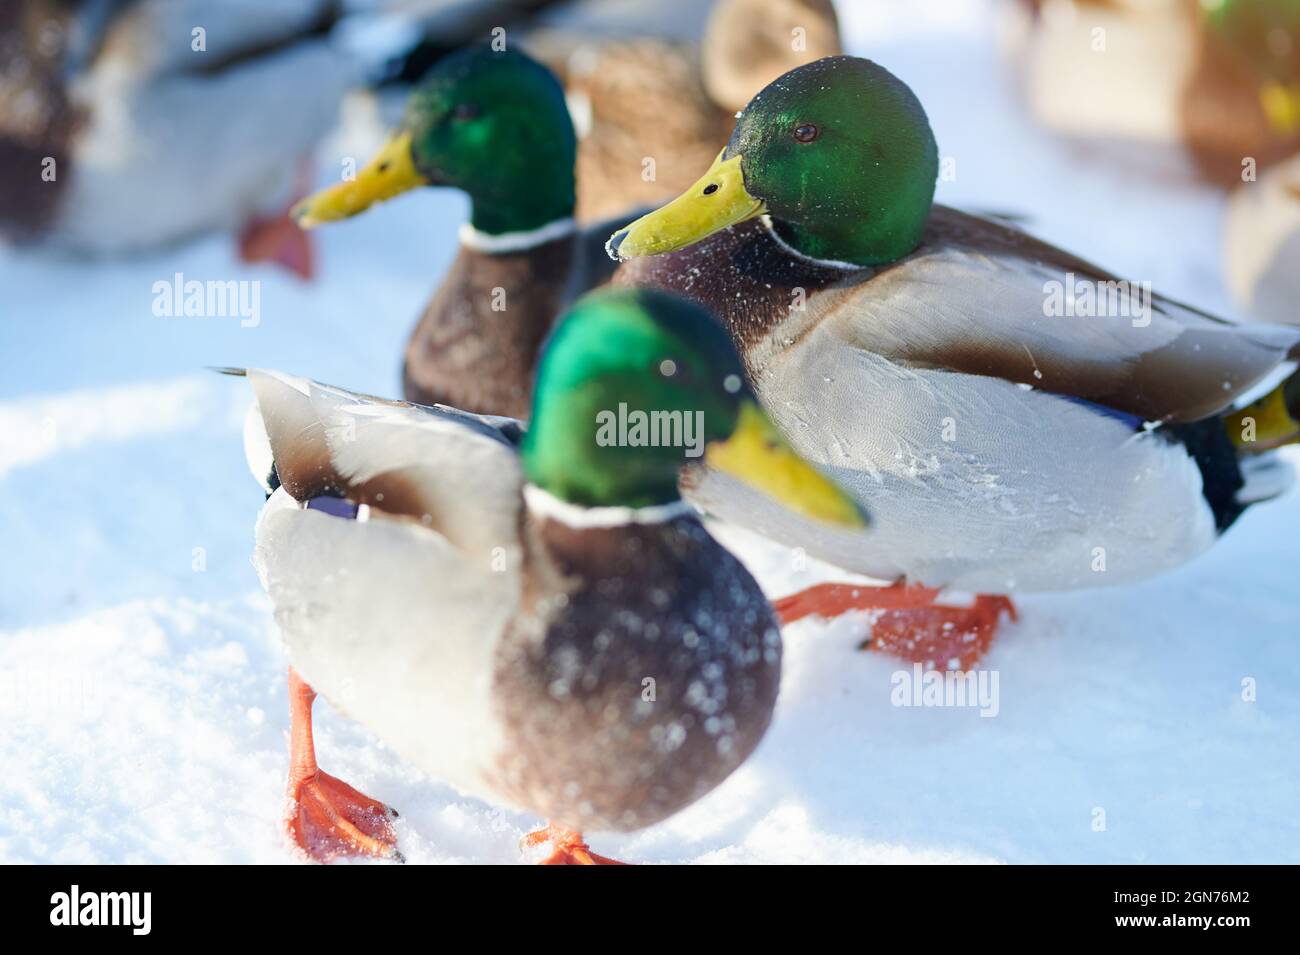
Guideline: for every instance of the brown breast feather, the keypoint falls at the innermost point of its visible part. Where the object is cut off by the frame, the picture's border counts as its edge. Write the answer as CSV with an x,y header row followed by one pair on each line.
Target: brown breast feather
x,y
615,607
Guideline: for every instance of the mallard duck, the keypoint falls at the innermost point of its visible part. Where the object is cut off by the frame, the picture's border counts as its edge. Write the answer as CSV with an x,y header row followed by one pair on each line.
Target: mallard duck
x,y
538,619
666,99
1217,80
1261,245
495,125
118,110
1010,435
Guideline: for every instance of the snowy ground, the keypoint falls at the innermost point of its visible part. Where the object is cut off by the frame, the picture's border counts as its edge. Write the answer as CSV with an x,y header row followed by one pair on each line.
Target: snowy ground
x,y
142,690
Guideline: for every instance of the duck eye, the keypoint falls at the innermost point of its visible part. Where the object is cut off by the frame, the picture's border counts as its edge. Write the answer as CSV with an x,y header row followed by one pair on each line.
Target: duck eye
x,y
465,111
805,133
711,188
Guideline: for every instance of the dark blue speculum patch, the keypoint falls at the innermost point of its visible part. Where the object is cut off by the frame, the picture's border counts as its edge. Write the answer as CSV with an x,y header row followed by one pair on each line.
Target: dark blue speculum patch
x,y
1133,421
334,506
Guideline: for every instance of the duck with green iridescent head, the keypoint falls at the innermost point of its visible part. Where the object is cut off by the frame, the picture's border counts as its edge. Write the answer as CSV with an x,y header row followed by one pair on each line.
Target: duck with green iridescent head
x,y
539,620
1019,420
493,124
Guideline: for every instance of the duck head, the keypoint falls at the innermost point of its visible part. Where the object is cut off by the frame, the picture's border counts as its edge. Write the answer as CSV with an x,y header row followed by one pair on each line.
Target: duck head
x,y
839,153
492,123
635,384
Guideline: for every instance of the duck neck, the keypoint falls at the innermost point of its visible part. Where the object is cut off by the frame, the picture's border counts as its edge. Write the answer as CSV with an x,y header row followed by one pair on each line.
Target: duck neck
x,y
543,503
852,246
550,198
588,478
523,241
477,342
595,543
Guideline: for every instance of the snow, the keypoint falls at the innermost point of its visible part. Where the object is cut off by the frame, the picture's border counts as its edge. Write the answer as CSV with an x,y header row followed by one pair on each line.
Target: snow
x,y
142,687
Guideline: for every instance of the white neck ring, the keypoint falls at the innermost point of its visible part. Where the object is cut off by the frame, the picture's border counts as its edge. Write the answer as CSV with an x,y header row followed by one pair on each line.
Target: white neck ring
x,y
493,244
545,504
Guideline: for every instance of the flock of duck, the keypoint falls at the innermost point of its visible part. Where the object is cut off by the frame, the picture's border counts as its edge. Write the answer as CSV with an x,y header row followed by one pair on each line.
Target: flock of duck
x,y
535,613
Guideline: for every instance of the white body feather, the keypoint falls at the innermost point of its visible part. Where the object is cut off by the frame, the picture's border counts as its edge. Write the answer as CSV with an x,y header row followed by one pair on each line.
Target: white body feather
x,y
979,483
1034,493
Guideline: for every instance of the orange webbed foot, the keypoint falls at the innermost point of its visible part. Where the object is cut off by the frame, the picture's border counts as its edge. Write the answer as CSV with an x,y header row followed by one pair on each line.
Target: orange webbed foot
x,y
909,624
831,600
945,638
329,819
326,817
569,847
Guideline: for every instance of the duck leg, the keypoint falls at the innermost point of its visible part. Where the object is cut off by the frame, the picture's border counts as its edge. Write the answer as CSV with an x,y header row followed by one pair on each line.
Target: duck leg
x,y
910,624
277,238
327,817
569,846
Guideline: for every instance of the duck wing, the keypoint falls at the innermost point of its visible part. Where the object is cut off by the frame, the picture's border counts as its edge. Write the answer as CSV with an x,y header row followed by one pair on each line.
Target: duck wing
x,y
983,298
391,554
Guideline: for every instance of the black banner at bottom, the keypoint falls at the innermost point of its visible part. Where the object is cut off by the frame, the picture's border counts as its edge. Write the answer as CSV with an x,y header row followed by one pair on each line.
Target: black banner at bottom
x,y
336,903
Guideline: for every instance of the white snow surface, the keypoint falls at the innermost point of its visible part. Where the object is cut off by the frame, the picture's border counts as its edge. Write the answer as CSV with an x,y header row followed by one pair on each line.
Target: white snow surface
x,y
142,691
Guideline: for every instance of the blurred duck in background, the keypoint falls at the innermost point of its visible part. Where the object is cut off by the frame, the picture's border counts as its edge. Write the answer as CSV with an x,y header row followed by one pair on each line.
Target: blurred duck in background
x,y
127,125
1261,244
654,91
1215,82
1262,240
130,125
495,125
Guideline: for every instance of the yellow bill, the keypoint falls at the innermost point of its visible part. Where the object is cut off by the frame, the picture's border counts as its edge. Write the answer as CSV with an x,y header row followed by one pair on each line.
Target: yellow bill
x,y
390,173
757,454
719,199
